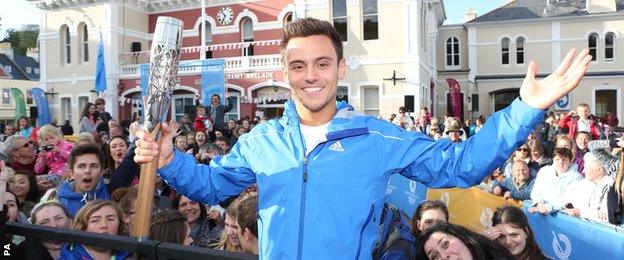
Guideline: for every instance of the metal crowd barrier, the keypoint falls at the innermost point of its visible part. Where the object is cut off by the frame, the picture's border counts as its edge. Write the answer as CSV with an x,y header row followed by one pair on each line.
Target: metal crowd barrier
x,y
148,249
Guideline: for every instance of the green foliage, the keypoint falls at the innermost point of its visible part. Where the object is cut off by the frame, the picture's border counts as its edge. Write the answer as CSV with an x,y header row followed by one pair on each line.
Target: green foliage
x,y
22,39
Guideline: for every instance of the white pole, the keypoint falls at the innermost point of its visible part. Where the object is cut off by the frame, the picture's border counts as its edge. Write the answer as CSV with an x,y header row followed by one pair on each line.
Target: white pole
x,y
202,53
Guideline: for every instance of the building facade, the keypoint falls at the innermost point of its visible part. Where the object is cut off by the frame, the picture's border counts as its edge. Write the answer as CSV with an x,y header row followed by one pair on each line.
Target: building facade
x,y
493,51
21,72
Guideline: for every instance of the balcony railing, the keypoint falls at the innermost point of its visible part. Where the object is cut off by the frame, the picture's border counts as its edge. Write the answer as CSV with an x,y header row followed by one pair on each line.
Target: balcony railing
x,y
232,65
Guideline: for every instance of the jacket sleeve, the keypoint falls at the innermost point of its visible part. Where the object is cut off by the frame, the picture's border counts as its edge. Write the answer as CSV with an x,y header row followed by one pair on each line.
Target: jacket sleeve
x,y
229,106
563,122
444,164
125,173
226,176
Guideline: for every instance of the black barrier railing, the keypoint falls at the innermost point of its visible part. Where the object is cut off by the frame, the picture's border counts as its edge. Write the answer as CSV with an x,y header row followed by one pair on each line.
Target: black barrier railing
x,y
149,249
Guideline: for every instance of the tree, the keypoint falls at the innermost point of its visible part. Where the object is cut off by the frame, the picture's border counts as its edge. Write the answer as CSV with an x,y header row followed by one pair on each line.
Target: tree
x,y
23,39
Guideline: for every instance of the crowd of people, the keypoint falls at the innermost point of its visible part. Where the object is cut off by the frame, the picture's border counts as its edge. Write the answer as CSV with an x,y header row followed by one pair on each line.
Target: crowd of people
x,y
568,164
91,184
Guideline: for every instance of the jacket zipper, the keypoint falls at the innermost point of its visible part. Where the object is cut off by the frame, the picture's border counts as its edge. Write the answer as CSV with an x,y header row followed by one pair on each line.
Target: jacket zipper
x,y
368,219
303,198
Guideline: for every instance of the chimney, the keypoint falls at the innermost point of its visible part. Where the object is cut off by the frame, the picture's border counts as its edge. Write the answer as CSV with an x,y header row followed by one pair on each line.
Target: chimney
x,y
33,53
600,6
5,47
470,14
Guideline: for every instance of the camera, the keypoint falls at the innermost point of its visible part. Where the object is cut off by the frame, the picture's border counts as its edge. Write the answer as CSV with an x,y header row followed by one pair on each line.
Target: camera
x,y
44,148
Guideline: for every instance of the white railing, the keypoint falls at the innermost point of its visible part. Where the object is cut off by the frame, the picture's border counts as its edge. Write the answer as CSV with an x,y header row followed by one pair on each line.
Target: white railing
x,y
232,65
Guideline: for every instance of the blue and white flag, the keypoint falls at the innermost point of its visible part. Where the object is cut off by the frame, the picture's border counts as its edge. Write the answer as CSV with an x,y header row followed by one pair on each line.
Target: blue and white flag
x,y
100,69
212,80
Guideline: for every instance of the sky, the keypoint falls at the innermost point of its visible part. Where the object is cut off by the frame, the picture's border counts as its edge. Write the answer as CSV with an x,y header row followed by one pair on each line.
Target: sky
x,y
15,13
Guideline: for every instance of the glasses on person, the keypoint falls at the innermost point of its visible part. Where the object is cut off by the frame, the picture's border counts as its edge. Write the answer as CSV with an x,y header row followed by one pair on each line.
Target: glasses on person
x,y
27,144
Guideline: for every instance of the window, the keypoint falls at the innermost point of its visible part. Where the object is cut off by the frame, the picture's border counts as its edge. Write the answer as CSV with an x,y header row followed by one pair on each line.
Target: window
x,y
8,69
6,96
505,51
28,70
370,19
36,71
247,36
342,94
83,42
65,45
82,102
339,12
234,97
371,100
520,50
591,44
207,30
183,104
609,49
606,100
452,52
66,111
29,97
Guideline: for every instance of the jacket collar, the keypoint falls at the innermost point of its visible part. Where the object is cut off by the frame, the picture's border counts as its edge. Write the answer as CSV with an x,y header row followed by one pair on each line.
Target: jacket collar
x,y
346,122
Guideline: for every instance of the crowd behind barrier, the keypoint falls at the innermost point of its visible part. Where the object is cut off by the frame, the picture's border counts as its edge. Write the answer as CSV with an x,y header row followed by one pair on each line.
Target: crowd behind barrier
x,y
560,236
149,249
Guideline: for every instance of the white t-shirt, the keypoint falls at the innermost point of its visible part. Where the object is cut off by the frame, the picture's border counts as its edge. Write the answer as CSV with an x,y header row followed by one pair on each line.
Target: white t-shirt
x,y
313,135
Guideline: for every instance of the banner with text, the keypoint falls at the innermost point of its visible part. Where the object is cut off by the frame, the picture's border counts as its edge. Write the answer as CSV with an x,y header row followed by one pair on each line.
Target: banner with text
x,y
405,193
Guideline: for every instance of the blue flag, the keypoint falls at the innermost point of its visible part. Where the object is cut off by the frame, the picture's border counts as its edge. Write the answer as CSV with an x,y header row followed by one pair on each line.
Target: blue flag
x,y
42,103
100,69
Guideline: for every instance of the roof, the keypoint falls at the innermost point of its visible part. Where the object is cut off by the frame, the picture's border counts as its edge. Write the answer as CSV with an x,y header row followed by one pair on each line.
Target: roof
x,y
533,9
15,71
26,62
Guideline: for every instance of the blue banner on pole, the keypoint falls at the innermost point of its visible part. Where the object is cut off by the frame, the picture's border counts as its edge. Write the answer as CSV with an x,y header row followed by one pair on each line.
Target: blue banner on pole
x,y
100,69
212,79
404,193
144,83
565,237
43,109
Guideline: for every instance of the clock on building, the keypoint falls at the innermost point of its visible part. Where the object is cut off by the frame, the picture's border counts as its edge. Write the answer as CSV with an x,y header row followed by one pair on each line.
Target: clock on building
x,y
225,15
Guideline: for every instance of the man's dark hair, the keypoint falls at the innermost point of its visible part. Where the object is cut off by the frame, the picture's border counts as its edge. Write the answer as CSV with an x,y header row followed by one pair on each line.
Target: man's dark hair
x,y
563,152
424,206
223,139
308,27
247,213
86,149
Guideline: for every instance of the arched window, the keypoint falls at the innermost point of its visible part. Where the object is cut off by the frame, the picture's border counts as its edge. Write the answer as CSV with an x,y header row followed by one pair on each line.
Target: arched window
x,y
83,39
247,36
452,52
505,51
609,46
207,30
520,50
65,45
592,44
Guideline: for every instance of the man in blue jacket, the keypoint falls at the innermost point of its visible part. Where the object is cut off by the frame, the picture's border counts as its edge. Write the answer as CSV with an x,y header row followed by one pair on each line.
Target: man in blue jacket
x,y
322,169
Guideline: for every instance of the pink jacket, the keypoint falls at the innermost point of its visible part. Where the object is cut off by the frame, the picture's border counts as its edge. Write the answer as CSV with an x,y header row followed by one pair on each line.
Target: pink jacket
x,y
57,161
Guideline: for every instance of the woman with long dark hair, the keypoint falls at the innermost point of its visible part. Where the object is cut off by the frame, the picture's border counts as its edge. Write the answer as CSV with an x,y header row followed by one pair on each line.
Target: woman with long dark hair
x,y
511,229
88,121
446,240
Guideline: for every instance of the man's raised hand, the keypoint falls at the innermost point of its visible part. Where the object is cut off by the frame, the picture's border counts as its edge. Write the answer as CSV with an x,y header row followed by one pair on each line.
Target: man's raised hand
x,y
544,93
147,148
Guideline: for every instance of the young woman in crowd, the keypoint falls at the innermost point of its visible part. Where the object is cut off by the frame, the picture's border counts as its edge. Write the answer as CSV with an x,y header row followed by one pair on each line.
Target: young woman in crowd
x,y
427,214
229,236
171,227
88,122
98,216
51,214
511,229
208,152
564,141
53,153
200,142
115,150
449,241
180,142
204,230
25,129
538,158
25,188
